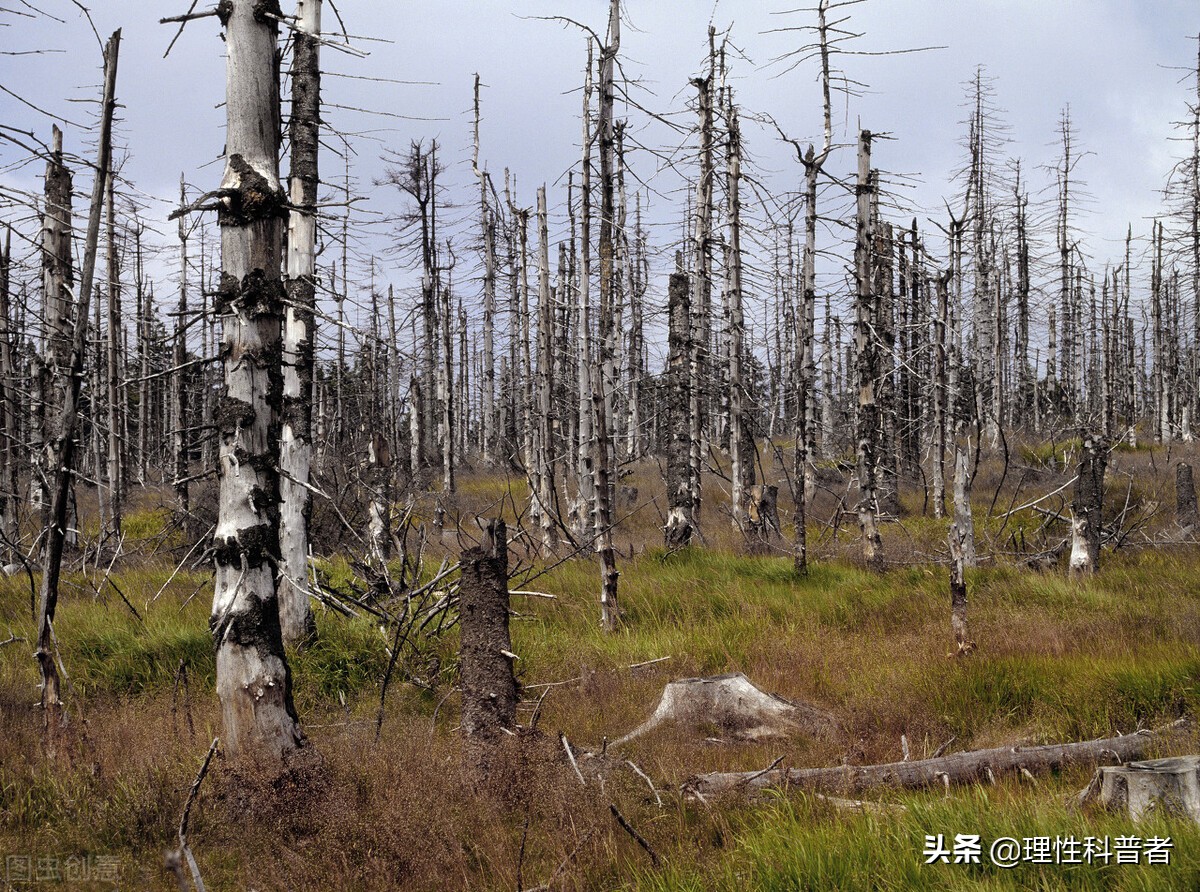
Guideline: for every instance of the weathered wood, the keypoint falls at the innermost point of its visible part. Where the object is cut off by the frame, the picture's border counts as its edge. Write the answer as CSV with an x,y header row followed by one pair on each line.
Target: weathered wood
x,y
866,347
958,768
762,515
299,334
734,706
679,526
1185,498
62,442
1147,789
1087,508
253,680
489,704
958,593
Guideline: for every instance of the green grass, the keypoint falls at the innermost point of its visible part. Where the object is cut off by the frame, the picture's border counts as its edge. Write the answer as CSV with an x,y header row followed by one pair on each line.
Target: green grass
x,y
1059,659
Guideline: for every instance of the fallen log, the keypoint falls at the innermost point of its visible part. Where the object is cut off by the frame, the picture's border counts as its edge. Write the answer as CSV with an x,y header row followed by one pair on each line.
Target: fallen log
x,y
732,704
957,768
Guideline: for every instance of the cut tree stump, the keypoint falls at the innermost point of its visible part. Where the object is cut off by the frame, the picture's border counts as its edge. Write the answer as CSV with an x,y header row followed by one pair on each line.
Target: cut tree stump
x,y
734,705
1145,789
958,768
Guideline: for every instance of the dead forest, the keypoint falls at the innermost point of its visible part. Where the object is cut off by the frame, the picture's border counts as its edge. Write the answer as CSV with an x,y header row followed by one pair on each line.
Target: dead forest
x,y
471,475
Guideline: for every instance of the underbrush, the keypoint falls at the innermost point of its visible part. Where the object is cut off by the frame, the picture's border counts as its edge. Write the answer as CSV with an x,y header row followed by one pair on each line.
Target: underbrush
x,y
386,806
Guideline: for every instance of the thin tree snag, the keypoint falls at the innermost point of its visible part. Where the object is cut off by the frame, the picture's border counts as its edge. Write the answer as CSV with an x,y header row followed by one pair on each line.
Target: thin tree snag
x,y
1185,498
958,768
63,437
254,683
958,594
867,349
679,526
963,518
299,336
1147,789
1087,508
489,690
736,707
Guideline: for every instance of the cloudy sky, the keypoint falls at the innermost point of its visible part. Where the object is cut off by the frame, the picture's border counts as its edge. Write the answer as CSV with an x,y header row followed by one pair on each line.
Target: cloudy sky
x,y
1125,67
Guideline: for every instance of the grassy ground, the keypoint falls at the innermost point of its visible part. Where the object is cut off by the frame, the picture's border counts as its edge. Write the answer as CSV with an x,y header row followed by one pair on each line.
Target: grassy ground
x,y
1058,659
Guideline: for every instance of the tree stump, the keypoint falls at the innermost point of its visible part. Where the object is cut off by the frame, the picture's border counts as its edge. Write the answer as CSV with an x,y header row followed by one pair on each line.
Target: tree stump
x,y
489,690
1185,498
733,705
762,515
1146,789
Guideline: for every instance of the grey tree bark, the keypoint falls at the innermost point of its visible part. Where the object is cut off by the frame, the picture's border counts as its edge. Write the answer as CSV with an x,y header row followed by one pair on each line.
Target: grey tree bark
x,y
866,347
62,443
299,334
679,527
253,679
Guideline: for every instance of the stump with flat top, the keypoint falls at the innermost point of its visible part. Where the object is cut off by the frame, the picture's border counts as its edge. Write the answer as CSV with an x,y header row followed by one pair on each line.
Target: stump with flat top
x,y
1146,789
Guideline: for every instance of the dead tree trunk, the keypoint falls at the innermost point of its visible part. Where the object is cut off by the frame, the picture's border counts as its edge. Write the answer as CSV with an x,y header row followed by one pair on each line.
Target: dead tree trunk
x,y
1088,505
488,227
179,406
702,292
9,419
299,336
489,690
253,680
958,593
963,518
58,280
741,462
584,470
940,394
678,530
866,347
602,388
1185,498
543,468
63,439
114,472
957,768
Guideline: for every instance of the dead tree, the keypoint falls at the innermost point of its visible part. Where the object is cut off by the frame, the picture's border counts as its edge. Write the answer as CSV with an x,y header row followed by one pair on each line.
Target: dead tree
x,y
179,405
602,388
253,680
1088,505
963,518
679,528
9,418
867,350
58,281
1185,498
488,226
958,592
741,459
489,689
299,336
702,277
112,379
62,442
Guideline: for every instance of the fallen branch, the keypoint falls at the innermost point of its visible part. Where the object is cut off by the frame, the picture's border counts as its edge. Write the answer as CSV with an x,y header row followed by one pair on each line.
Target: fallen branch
x,y
957,768
185,852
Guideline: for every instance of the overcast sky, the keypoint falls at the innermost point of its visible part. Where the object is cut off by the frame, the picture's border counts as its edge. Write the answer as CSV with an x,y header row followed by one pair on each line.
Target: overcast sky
x,y
1115,62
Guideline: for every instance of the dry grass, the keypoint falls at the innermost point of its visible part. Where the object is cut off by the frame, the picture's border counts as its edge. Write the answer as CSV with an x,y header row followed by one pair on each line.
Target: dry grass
x,y
1059,659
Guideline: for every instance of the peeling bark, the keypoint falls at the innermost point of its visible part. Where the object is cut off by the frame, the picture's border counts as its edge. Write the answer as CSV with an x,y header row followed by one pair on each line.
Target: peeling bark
x,y
253,678
299,335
